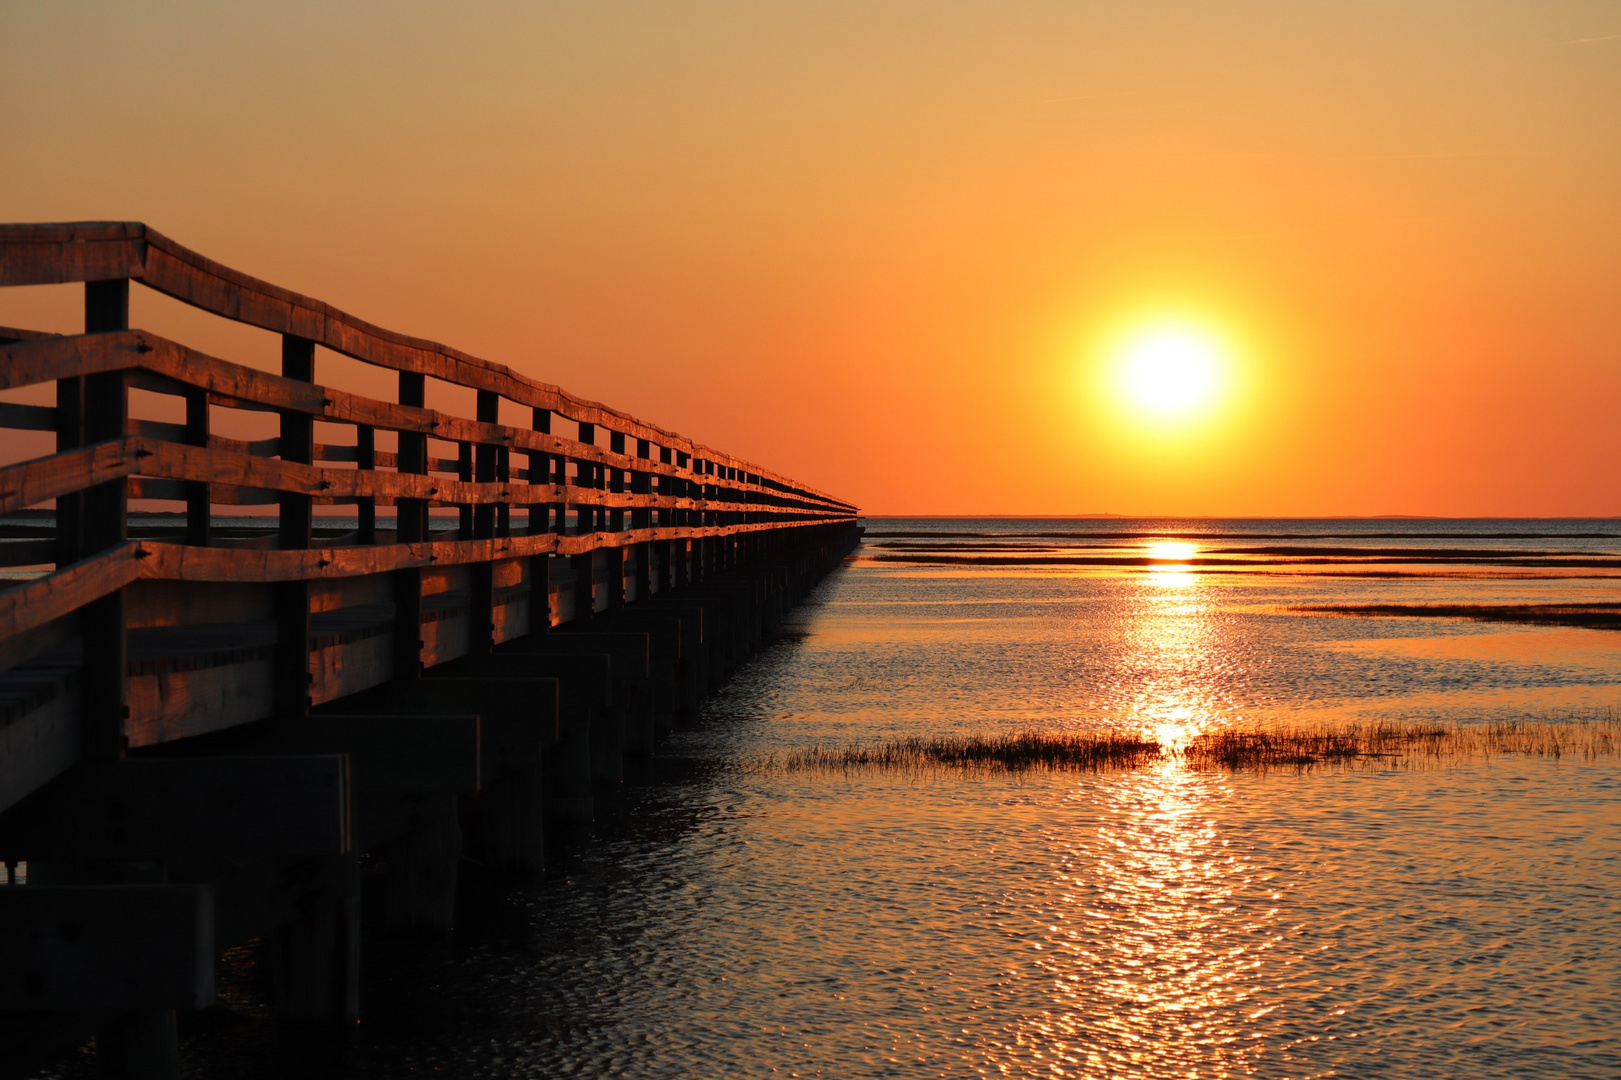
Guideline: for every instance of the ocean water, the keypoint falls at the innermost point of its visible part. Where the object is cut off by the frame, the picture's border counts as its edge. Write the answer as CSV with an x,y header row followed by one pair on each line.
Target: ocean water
x,y
1462,918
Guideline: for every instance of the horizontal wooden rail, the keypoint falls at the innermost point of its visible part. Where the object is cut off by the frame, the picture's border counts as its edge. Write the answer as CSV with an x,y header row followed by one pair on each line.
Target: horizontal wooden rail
x,y
30,606
42,479
99,251
171,368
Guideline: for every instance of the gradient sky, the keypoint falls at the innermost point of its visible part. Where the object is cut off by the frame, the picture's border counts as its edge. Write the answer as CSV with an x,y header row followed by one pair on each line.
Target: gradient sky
x,y
874,245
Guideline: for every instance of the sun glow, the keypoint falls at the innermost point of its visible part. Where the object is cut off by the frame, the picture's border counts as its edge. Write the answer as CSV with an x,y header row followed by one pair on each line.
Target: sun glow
x,y
1171,550
1169,371
1171,568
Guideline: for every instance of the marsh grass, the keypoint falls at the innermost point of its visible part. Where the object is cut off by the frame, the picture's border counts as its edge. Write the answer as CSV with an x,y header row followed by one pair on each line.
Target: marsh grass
x,y
1028,750
1596,616
1376,745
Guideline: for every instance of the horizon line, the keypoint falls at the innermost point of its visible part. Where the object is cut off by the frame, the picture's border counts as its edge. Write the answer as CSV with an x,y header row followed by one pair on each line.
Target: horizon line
x,y
1249,517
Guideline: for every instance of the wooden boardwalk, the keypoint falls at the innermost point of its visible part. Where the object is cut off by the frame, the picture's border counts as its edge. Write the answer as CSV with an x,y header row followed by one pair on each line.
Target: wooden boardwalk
x,y
390,628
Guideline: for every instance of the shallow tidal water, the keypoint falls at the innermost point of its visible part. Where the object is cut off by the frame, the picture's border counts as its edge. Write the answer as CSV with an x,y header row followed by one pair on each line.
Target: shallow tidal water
x,y
1458,918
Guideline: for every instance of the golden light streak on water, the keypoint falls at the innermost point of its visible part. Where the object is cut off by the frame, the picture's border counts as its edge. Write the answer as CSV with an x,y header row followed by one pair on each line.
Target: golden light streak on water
x,y
1151,923
1177,551
1174,646
1154,969
1171,569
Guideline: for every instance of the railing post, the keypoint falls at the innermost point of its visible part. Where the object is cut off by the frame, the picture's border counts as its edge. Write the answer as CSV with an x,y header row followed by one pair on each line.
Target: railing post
x,y
617,478
366,461
464,473
102,522
599,480
411,527
586,477
70,436
411,515
540,566
296,521
676,487
481,575
540,472
616,481
485,459
641,483
297,442
711,515
198,502
584,564
659,484
503,474
695,488
143,1042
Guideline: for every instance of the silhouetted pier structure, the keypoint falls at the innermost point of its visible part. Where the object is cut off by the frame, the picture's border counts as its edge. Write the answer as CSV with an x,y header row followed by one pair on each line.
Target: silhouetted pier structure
x,y
205,719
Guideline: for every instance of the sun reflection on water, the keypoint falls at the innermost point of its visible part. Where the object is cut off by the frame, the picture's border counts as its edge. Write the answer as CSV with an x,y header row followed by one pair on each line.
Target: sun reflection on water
x,y
1173,734
1147,912
1173,650
1150,928
1179,551
1172,577
1171,568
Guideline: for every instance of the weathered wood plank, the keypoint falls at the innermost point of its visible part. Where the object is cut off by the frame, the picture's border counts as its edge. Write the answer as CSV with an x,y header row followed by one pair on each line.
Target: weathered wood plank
x,y
178,704
18,333
29,606
42,479
518,717
27,417
589,737
630,670
113,947
403,754
160,808
39,746
58,254
27,552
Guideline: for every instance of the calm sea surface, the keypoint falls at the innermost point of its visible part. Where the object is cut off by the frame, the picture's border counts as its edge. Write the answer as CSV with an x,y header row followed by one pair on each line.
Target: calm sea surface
x,y
1457,920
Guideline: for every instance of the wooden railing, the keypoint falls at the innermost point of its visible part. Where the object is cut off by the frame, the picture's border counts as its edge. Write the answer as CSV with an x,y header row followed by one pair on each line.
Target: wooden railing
x,y
611,494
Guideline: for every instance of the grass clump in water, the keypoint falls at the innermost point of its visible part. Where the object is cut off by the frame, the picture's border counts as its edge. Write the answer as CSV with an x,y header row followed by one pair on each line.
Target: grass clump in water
x,y
1028,750
1383,744
1405,744
1270,748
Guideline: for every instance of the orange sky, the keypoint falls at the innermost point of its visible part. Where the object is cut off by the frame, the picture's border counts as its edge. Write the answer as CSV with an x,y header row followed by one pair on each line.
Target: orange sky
x,y
871,245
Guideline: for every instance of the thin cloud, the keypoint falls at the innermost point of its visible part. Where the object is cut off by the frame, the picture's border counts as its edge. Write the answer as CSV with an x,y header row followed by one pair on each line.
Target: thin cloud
x,y
1363,225
1590,40
1093,97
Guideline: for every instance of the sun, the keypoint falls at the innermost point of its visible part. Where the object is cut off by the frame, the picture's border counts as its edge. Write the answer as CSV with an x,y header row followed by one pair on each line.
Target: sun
x,y
1169,371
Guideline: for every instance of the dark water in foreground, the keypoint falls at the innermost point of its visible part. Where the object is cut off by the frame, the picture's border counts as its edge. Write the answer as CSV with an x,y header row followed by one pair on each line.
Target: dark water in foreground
x,y
1460,920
